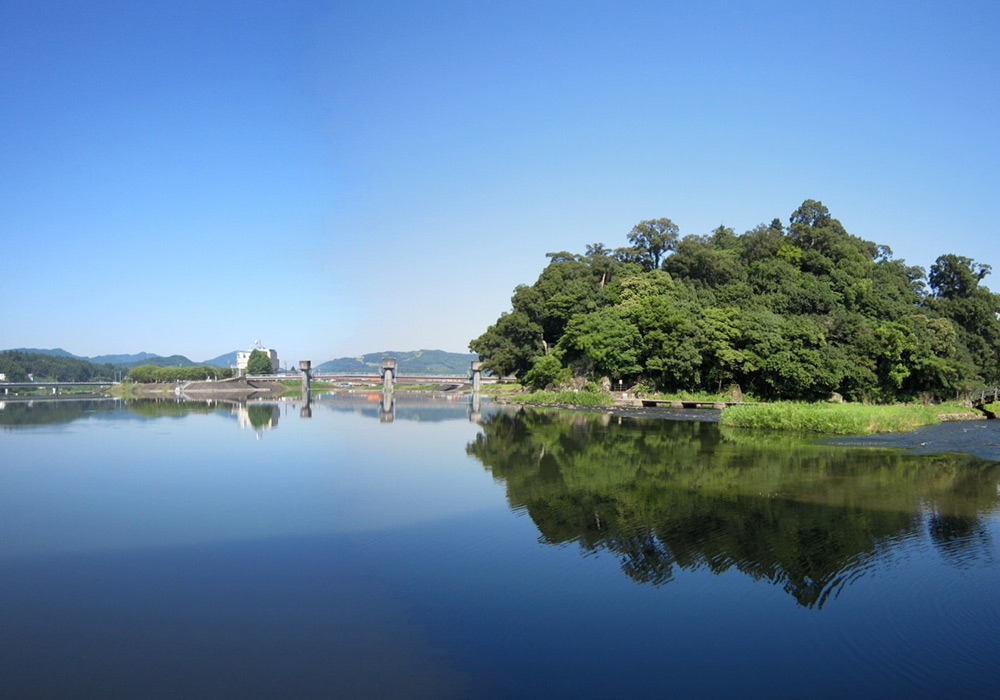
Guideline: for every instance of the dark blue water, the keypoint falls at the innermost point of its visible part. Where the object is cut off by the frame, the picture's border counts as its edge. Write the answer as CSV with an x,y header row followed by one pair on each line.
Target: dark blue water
x,y
155,551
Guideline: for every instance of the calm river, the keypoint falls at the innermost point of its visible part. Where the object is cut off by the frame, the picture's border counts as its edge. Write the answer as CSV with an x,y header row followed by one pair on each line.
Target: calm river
x,y
163,550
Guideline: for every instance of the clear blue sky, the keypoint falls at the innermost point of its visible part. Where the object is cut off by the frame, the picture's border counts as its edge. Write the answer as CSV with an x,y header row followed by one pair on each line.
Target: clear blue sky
x,y
336,178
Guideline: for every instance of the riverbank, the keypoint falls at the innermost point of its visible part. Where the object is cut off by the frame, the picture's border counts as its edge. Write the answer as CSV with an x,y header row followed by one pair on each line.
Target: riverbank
x,y
817,418
237,388
843,418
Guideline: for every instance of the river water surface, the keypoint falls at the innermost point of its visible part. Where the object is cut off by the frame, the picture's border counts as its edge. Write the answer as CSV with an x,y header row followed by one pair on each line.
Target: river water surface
x,y
164,550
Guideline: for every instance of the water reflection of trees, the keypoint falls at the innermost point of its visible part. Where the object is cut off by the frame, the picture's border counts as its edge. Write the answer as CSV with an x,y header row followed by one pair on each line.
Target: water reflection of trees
x,y
258,416
14,414
664,495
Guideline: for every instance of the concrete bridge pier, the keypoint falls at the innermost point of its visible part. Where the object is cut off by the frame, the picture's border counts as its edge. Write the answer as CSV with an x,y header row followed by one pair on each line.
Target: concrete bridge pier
x,y
476,370
388,373
306,367
477,376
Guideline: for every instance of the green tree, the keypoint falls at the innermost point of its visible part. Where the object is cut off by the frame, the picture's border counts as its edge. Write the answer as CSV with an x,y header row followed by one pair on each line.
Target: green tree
x,y
651,239
786,313
510,345
605,342
259,363
956,277
544,371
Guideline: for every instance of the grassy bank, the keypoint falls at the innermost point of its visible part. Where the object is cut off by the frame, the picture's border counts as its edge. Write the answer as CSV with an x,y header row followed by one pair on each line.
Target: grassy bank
x,y
563,398
292,388
123,390
839,419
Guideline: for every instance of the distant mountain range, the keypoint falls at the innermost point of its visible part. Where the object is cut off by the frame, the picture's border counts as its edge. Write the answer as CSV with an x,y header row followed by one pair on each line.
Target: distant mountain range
x,y
134,360
410,362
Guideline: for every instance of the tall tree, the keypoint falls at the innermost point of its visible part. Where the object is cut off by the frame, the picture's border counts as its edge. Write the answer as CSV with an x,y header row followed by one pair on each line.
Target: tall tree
x,y
651,239
956,277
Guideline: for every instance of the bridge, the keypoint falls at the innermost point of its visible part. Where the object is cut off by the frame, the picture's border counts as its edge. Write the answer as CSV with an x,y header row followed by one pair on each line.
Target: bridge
x,y
52,385
6,387
685,403
980,398
376,378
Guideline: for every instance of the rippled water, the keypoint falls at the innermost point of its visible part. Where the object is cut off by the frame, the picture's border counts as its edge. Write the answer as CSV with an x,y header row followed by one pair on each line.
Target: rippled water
x,y
162,550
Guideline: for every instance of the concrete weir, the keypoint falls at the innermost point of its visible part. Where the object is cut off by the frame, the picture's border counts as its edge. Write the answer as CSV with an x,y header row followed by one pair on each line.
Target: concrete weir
x,y
237,388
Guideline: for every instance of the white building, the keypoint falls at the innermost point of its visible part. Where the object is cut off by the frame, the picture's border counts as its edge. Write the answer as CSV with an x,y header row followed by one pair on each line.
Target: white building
x,y
243,357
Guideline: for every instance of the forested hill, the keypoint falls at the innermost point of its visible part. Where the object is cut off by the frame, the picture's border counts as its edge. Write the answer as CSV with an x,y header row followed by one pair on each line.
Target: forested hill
x,y
784,312
16,365
411,362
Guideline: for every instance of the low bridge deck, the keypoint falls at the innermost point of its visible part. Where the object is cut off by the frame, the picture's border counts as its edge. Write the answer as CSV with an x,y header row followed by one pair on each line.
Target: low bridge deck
x,y
980,398
684,403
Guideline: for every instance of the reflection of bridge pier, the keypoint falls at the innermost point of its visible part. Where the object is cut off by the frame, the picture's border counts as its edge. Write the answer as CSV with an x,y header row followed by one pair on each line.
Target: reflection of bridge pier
x,y
387,407
476,415
306,367
386,412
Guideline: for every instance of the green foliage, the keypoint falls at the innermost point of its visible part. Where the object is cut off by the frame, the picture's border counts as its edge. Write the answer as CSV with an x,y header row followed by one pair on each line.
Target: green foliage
x,y
794,313
509,346
259,362
605,342
146,374
833,419
17,365
650,240
544,370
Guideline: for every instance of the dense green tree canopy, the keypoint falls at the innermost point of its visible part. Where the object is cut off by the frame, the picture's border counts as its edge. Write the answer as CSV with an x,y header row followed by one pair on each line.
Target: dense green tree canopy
x,y
17,365
144,374
796,312
259,363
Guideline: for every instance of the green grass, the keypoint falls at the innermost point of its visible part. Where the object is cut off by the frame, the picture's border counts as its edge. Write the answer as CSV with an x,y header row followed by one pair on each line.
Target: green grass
x,y
567,398
292,388
836,419
502,389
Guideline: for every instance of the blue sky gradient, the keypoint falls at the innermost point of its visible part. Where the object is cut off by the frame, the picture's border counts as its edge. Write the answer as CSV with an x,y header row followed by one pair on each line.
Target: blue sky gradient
x,y
336,178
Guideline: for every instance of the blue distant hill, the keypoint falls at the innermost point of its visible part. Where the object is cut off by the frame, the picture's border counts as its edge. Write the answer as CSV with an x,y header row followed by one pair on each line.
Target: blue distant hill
x,y
127,361
223,361
408,362
139,358
54,352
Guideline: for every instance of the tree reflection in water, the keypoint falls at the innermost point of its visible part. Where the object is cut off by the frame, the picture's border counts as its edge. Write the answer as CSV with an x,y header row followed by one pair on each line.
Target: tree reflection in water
x,y
663,495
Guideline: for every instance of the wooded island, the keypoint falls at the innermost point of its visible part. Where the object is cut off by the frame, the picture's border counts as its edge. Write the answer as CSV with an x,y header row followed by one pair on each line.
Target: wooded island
x,y
796,312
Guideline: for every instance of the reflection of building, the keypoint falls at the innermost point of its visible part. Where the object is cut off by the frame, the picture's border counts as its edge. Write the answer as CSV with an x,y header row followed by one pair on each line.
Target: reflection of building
x,y
243,357
259,417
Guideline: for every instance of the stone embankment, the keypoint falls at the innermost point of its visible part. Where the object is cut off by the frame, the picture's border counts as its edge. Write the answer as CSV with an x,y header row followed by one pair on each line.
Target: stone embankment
x,y
236,389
